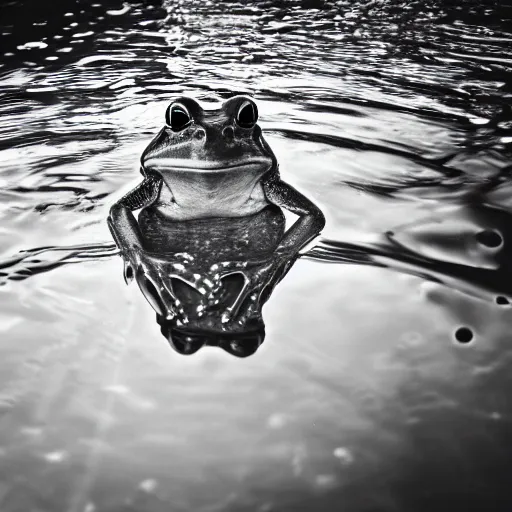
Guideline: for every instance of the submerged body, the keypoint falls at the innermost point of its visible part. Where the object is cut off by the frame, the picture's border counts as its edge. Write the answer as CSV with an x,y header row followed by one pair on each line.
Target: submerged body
x,y
207,165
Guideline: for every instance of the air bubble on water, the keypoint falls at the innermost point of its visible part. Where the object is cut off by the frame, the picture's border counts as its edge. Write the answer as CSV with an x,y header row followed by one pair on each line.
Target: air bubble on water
x,y
463,334
489,238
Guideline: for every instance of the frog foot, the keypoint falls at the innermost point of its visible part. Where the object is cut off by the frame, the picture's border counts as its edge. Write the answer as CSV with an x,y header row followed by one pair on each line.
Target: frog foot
x,y
259,278
150,274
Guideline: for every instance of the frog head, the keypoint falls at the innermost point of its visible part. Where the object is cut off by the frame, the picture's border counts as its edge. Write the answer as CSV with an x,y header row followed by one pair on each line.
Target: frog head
x,y
195,140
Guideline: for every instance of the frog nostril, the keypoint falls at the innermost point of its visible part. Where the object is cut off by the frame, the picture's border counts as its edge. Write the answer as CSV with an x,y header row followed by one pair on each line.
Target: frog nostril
x,y
200,134
228,133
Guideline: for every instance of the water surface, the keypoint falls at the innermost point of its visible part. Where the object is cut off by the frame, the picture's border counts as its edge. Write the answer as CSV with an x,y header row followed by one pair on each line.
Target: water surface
x,y
395,118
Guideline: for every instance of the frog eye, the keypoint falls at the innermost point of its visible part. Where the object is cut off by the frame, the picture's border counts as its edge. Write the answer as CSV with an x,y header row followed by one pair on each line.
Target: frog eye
x,y
247,115
177,117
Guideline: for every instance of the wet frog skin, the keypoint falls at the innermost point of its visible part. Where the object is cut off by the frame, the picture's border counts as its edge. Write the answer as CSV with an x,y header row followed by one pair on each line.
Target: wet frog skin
x,y
206,164
217,274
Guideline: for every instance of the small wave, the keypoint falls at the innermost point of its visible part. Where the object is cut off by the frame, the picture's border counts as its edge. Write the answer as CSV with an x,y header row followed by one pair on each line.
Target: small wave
x,y
43,259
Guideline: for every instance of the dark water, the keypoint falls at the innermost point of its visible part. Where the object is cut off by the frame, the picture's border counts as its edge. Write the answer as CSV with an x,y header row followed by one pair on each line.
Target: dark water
x,y
395,118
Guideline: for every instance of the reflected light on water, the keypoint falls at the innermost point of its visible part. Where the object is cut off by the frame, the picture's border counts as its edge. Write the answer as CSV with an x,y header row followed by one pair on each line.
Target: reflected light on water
x,y
383,380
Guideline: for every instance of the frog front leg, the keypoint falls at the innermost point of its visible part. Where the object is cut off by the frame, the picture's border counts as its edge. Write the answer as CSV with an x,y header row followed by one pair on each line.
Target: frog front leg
x,y
309,224
261,277
124,227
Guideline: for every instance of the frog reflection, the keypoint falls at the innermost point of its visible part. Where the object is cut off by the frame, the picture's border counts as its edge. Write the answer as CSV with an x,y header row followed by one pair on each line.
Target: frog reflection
x,y
211,180
215,276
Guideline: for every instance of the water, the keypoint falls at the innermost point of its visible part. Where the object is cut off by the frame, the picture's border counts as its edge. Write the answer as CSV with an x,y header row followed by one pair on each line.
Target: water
x,y
395,118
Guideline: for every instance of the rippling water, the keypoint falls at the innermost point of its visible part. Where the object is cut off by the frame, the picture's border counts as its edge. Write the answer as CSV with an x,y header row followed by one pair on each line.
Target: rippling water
x,y
395,118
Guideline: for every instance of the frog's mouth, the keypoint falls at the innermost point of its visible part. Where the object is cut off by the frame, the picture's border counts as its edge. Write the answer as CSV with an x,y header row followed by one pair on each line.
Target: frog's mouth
x,y
207,166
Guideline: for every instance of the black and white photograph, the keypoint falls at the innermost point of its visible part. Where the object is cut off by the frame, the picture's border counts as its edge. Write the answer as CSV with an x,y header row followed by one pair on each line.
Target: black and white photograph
x,y
255,256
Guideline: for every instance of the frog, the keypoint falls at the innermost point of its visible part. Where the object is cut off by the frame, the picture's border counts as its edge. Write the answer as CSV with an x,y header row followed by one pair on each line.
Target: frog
x,y
207,164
